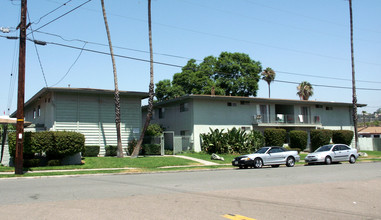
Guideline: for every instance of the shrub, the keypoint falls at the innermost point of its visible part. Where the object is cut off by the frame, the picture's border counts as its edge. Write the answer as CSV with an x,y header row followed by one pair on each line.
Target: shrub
x,y
66,143
90,151
152,149
319,138
54,163
298,139
131,145
275,136
154,130
342,136
111,151
32,162
233,141
42,141
28,149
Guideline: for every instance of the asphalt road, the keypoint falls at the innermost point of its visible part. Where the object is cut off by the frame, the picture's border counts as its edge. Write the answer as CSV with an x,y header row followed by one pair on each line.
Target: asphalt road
x,y
339,191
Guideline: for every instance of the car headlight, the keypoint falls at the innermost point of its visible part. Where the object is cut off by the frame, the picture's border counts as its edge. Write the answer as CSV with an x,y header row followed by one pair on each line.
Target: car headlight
x,y
246,158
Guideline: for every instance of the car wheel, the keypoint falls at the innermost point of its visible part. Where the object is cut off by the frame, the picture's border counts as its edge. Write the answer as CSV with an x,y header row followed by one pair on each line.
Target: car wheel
x,y
274,165
352,159
290,162
328,160
258,163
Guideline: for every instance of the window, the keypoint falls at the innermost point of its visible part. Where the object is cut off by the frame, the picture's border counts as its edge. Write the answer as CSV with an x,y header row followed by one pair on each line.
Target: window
x,y
245,128
161,112
329,108
319,106
184,133
232,104
184,107
38,111
34,113
245,103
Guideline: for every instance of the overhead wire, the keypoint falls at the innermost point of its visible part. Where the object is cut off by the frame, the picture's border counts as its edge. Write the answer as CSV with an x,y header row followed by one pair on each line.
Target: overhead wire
x,y
179,66
119,47
61,16
80,53
64,4
38,55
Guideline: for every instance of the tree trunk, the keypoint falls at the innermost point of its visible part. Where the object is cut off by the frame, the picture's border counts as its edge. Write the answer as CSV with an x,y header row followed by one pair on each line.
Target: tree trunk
x,y
354,97
135,153
117,98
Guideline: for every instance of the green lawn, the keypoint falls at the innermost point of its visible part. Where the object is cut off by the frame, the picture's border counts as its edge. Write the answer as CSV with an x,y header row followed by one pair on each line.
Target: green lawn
x,y
145,164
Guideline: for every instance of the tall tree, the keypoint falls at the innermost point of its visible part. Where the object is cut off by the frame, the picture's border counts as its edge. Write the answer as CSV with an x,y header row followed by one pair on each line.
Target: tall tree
x,y
305,90
232,74
268,75
116,94
354,97
135,153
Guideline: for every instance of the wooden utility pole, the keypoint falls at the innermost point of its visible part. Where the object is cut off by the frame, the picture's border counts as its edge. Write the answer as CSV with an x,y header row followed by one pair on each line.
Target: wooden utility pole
x,y
21,92
354,97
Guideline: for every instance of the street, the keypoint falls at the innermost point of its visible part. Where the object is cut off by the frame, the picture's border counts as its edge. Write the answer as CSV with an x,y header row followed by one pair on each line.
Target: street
x,y
338,191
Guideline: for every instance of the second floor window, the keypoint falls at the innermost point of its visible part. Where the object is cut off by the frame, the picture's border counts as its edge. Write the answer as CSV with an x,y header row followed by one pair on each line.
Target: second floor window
x,y
184,107
161,112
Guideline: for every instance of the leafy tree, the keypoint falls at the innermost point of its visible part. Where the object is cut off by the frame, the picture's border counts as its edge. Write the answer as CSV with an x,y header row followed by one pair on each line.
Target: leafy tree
x,y
230,74
268,75
305,90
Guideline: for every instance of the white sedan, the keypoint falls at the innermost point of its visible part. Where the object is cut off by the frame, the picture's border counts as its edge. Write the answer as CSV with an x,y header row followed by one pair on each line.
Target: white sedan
x,y
273,156
332,153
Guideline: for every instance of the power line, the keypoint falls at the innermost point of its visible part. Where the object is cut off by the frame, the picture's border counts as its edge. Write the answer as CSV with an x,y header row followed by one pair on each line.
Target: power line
x,y
38,55
119,47
329,86
70,66
325,77
62,15
64,4
179,66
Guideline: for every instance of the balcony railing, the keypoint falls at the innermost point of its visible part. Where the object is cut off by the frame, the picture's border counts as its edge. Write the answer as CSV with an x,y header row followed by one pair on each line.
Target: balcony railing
x,y
287,119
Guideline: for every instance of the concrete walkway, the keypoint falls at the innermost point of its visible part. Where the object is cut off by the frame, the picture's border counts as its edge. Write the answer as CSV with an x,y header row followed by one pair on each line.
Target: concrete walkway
x,y
204,162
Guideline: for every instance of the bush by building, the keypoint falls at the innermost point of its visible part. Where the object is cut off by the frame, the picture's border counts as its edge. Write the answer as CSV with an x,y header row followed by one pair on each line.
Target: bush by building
x,y
342,137
275,136
320,137
90,151
298,139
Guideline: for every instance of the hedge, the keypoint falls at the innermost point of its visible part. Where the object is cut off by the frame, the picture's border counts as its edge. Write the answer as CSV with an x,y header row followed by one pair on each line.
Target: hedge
x,y
298,139
319,138
111,151
342,137
90,151
275,136
56,144
66,143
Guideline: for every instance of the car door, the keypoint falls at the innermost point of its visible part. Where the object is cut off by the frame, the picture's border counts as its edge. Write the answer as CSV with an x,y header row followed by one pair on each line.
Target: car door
x,y
275,156
345,152
336,153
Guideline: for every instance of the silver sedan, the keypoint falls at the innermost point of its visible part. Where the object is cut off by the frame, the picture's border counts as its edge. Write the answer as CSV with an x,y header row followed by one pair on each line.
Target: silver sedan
x,y
332,153
273,156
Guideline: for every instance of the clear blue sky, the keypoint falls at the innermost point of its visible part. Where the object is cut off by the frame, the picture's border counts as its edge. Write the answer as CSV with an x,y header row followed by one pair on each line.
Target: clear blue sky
x,y
302,40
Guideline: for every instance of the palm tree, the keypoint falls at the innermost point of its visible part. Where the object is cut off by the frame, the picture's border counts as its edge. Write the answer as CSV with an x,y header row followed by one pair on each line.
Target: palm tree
x,y
354,97
135,153
305,90
117,98
268,75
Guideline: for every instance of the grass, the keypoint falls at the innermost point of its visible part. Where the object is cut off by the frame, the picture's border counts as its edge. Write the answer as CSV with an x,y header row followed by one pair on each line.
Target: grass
x,y
144,164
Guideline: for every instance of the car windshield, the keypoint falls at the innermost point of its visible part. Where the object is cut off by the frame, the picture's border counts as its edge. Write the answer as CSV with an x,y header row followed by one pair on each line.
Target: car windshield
x,y
262,150
324,148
